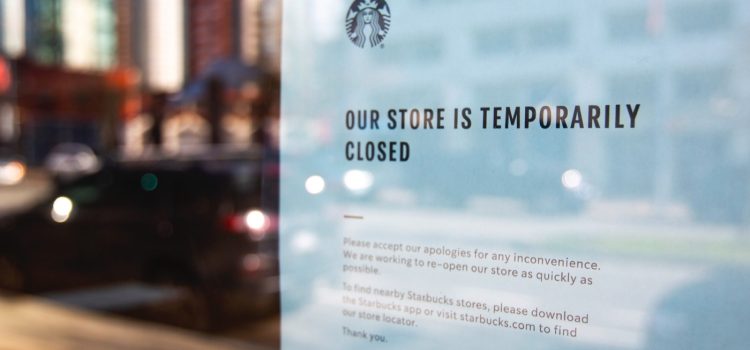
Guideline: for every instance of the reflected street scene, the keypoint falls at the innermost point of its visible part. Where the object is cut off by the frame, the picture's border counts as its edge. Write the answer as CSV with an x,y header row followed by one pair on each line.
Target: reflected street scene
x,y
138,174
521,175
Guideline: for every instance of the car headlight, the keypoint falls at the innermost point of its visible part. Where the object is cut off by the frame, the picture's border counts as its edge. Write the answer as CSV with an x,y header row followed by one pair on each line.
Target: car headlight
x,y
62,208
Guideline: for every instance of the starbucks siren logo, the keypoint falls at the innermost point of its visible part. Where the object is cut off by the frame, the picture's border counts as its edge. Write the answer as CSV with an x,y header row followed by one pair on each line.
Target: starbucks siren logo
x,y
367,22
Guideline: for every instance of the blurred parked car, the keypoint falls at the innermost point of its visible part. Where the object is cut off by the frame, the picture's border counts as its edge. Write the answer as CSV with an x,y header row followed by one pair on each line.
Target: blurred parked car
x,y
195,224
70,160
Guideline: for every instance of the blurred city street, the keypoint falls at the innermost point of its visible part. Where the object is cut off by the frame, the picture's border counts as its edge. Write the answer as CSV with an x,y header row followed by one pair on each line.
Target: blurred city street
x,y
138,174
93,318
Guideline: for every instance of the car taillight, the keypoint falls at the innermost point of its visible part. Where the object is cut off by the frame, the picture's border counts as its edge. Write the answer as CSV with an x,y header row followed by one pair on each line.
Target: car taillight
x,y
254,222
235,224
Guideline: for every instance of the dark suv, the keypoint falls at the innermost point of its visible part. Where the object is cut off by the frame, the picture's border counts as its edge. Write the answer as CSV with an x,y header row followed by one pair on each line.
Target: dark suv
x,y
197,226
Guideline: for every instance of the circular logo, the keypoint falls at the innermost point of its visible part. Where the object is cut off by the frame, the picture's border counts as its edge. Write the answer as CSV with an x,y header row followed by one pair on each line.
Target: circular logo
x,y
367,22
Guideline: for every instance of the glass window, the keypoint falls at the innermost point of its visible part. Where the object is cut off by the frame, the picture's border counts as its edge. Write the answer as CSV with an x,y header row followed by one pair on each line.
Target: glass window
x,y
627,25
634,86
548,34
423,50
703,17
497,40
701,84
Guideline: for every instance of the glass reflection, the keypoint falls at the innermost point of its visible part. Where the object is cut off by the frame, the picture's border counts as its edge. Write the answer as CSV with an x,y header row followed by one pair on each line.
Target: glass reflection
x,y
663,208
315,184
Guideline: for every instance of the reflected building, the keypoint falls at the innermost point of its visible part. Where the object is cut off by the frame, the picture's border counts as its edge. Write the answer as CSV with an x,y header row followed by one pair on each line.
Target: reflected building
x,y
87,68
221,60
61,87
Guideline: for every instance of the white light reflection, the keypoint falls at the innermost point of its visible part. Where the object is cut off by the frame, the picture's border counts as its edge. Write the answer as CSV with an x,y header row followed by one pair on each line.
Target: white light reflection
x,y
256,220
13,24
165,44
62,207
572,179
315,184
358,181
79,31
304,242
324,14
